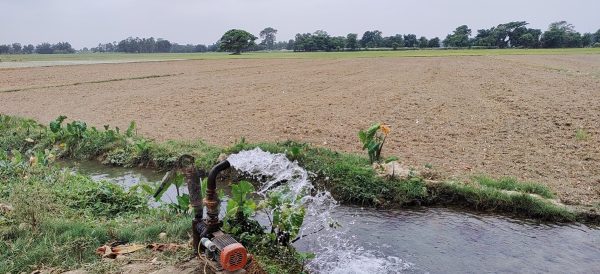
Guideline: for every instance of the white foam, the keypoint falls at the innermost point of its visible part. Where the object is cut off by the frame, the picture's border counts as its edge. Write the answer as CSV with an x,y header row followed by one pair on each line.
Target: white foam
x,y
335,250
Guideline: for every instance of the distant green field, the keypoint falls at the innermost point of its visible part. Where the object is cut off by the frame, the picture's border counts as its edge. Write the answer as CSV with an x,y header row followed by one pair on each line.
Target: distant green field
x,y
288,54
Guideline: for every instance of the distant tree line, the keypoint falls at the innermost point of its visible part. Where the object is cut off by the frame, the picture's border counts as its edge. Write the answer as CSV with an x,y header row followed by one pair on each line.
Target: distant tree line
x,y
517,35
150,45
321,41
508,35
43,48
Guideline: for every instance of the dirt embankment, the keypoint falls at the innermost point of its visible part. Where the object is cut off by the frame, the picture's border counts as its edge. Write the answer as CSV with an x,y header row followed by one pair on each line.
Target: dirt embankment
x,y
503,115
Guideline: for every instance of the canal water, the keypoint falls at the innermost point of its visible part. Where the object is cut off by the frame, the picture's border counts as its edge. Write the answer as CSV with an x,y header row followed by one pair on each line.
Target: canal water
x,y
416,240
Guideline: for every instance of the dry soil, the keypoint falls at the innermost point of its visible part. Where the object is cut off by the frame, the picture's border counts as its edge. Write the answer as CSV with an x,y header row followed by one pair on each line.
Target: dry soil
x,y
495,115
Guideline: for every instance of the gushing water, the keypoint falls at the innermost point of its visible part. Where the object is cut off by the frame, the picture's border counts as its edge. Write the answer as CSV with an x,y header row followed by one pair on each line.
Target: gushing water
x,y
335,249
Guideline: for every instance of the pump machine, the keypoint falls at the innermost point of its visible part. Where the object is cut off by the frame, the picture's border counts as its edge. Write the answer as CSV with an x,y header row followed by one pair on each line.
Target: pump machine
x,y
207,238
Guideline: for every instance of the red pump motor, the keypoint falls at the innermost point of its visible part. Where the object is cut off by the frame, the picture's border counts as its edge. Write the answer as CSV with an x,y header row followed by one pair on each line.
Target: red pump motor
x,y
207,237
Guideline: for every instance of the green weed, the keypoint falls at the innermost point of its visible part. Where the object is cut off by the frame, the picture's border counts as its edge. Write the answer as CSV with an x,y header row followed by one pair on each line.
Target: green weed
x,y
582,134
492,199
508,183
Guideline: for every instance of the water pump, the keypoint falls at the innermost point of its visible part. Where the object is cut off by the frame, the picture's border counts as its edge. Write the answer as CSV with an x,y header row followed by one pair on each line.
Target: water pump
x,y
207,238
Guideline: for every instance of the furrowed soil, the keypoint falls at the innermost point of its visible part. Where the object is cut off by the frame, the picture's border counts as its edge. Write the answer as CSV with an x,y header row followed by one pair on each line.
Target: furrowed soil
x,y
496,115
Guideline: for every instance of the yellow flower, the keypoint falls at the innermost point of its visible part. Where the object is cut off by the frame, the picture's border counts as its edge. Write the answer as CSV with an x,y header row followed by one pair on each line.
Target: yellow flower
x,y
385,129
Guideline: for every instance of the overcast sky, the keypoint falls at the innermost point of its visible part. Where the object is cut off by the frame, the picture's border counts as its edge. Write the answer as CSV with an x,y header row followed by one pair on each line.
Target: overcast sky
x,y
86,23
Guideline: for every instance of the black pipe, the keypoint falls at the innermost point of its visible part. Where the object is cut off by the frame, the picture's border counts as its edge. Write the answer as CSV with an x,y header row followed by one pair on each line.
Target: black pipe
x,y
211,201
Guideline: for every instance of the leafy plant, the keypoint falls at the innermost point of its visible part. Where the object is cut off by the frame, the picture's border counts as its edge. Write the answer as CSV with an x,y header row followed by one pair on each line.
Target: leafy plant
x,y
56,125
373,140
142,150
240,206
131,130
182,205
237,219
286,216
182,202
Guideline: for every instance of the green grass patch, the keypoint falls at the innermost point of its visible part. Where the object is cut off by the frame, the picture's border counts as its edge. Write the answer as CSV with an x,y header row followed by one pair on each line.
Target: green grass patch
x,y
112,146
582,135
66,243
290,55
492,199
508,183
59,218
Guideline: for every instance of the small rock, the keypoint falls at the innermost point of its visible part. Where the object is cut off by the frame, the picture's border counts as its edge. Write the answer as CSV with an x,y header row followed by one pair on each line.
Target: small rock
x,y
162,235
393,169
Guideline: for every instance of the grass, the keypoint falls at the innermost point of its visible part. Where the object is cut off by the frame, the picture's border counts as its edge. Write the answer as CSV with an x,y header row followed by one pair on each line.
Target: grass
x,y
508,183
59,219
582,135
289,54
493,199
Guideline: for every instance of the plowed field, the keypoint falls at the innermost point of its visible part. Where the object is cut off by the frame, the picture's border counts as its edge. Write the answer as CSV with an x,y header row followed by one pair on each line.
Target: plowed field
x,y
495,115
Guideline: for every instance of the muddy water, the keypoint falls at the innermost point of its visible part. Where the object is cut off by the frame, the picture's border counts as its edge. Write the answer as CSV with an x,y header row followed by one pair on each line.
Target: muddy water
x,y
434,240
126,177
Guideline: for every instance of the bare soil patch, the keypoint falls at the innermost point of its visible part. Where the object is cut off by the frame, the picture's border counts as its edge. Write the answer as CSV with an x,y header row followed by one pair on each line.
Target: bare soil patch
x,y
497,115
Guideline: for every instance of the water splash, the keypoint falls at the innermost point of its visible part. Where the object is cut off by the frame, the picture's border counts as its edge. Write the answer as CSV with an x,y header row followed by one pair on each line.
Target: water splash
x,y
335,250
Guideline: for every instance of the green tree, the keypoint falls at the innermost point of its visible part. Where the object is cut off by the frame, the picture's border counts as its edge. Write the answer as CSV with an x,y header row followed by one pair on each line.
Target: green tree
x,y
304,42
561,35
459,38
290,44
163,45
28,49
587,39
434,42
322,40
352,41
236,40
423,42
528,41
62,47
4,49
16,48
338,43
410,41
268,36
371,39
44,48
391,40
